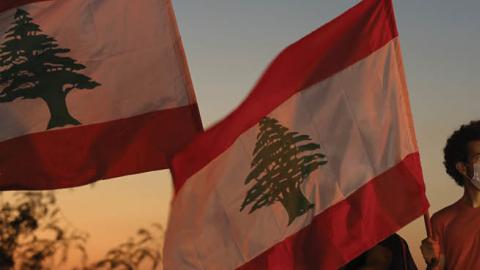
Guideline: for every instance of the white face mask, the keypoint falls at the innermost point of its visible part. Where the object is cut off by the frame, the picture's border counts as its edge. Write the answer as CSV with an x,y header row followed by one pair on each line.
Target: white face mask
x,y
475,180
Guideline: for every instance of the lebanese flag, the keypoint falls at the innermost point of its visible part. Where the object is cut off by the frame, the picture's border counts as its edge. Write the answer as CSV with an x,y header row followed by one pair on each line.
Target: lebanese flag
x,y
317,165
90,90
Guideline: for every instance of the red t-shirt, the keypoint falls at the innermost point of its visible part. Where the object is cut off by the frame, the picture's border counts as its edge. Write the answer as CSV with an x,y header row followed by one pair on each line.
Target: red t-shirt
x,y
457,228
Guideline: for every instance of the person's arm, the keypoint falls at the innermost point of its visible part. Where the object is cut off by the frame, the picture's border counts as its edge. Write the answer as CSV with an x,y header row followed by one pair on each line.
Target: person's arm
x,y
378,258
432,254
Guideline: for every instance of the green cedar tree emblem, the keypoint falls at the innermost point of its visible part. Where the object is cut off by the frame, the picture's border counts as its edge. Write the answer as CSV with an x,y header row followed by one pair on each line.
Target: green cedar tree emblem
x,y
282,161
32,67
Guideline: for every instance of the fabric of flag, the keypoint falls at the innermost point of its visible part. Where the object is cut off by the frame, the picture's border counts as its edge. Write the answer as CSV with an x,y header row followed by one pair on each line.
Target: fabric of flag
x,y
90,90
317,165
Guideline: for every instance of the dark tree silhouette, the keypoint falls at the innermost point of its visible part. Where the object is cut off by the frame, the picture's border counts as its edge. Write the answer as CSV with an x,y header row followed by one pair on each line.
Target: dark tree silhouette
x,y
35,236
136,253
282,161
33,68
31,234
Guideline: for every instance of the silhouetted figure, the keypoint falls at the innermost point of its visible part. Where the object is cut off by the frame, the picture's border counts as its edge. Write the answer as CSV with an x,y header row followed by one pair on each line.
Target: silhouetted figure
x,y
390,254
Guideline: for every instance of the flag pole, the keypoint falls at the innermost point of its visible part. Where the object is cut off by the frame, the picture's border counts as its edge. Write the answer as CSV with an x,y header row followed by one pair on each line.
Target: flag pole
x,y
428,224
428,227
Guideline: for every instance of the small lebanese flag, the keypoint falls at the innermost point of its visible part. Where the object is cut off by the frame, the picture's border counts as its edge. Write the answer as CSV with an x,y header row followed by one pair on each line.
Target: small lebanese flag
x,y
90,90
317,165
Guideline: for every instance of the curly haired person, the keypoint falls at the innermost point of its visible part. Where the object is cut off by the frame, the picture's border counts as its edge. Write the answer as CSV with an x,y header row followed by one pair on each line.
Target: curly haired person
x,y
456,228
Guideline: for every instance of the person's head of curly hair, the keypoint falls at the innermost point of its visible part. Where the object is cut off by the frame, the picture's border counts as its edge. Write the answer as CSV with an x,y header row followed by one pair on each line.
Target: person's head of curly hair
x,y
456,149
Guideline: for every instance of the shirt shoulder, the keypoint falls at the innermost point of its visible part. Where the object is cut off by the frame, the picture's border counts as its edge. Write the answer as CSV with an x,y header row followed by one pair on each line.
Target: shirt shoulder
x,y
447,213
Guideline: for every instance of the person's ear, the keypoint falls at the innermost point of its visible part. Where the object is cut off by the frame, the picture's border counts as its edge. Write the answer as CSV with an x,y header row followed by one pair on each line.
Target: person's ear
x,y
461,168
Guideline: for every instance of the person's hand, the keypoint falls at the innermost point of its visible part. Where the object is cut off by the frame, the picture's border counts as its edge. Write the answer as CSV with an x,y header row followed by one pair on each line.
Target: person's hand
x,y
430,251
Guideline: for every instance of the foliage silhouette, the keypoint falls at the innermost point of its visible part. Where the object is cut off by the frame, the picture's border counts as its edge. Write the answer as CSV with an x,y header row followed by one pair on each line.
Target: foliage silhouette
x,y
34,235
142,250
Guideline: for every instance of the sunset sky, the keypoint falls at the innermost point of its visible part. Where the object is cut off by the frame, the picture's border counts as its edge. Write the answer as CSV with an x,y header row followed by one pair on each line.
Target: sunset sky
x,y
228,45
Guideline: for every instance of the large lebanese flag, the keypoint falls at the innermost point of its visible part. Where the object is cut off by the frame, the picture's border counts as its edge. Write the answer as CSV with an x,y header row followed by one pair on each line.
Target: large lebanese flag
x,y
90,90
317,165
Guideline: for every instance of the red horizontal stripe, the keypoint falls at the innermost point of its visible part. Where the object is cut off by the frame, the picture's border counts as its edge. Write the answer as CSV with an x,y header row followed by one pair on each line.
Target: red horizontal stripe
x,y
342,232
80,155
340,43
9,4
